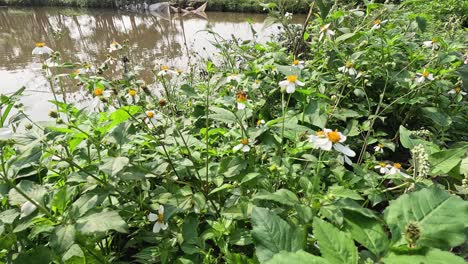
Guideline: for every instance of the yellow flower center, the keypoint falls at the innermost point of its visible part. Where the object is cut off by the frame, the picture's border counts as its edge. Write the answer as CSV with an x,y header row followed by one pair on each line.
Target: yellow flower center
x,y
150,114
77,71
257,81
457,90
296,62
115,43
320,133
40,44
259,122
377,21
98,92
164,68
349,64
292,78
434,40
132,92
244,141
160,218
425,74
382,164
397,166
323,28
380,145
241,96
87,66
334,136
179,71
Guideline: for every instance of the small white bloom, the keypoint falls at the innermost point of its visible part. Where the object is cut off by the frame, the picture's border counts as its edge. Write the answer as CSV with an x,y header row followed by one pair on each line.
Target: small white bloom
x,y
290,84
159,218
379,148
457,90
132,96
100,98
5,133
241,98
382,167
326,31
41,48
234,77
431,44
153,117
298,64
114,46
260,123
288,16
244,145
256,84
167,73
27,208
421,77
328,138
377,23
396,168
349,68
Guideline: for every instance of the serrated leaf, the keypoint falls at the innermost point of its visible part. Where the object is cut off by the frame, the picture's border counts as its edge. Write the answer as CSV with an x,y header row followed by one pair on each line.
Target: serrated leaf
x,y
63,237
31,189
282,196
440,216
431,256
273,235
113,166
299,257
444,161
94,222
335,245
222,115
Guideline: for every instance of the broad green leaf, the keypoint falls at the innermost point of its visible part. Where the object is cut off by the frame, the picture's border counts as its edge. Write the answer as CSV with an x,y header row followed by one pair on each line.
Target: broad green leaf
x,y
222,115
406,140
299,257
60,200
444,161
282,196
345,37
85,203
431,256
367,232
40,255
343,192
113,166
439,118
8,216
94,222
272,234
31,189
335,245
74,255
440,216
62,238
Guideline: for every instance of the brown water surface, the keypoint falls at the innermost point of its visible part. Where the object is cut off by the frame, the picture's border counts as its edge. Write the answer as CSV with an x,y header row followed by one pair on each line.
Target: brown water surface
x,y
83,35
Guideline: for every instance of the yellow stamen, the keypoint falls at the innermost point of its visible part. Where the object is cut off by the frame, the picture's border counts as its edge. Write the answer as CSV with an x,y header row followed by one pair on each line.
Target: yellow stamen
x,y
77,71
160,218
397,166
434,40
382,164
349,64
380,145
40,44
150,114
292,78
98,92
132,92
457,90
296,62
259,122
115,43
334,136
241,96
377,21
320,133
425,74
179,71
257,81
244,141
164,68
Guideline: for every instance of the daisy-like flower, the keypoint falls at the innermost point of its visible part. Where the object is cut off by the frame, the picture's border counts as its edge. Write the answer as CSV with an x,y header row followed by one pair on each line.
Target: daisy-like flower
x,y
433,43
326,31
298,64
457,90
132,95
396,168
159,219
179,72
5,133
244,145
100,98
382,168
290,84
166,72
27,208
256,84
348,68
153,116
379,148
41,48
260,123
288,15
327,138
241,98
233,76
114,46
421,77
377,23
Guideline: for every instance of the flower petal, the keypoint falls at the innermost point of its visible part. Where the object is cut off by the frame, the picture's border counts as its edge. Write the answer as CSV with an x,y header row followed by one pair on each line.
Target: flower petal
x,y
152,217
344,149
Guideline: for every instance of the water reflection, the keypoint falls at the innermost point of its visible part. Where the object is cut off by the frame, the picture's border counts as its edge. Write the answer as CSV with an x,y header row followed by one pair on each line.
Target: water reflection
x,y
84,36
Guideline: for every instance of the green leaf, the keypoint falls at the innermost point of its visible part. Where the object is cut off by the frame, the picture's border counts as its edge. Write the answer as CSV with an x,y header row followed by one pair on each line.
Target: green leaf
x,y
222,115
406,140
367,232
299,257
63,237
431,256
341,191
422,23
101,222
113,166
439,118
335,245
444,161
282,196
345,37
85,203
31,189
440,216
9,216
273,235
74,255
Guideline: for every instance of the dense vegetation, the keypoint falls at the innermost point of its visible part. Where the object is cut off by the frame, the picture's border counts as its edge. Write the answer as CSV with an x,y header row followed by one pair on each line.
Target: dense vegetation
x,y
341,141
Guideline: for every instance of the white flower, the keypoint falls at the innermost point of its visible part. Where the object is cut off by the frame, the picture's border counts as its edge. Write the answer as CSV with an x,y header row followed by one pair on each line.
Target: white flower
x,y
421,77
132,95
100,98
379,148
382,167
114,46
256,84
457,90
396,168
328,138
290,84
159,219
27,208
349,68
244,145
234,77
377,23
288,16
5,133
41,48
325,30
260,123
431,44
298,64
153,116
241,98
167,73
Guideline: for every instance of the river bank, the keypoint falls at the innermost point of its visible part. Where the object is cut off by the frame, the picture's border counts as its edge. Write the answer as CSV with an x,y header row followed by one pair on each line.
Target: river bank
x,y
296,6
